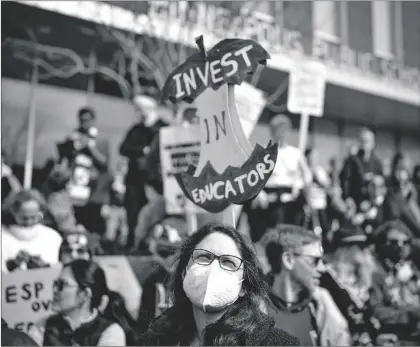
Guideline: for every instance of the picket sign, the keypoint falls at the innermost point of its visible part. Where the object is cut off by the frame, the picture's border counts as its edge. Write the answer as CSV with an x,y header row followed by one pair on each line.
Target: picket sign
x,y
181,143
26,296
306,94
179,147
229,169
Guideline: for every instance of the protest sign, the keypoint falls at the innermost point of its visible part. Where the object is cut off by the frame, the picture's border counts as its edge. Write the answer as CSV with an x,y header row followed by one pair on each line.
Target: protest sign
x,y
179,147
229,170
306,94
27,296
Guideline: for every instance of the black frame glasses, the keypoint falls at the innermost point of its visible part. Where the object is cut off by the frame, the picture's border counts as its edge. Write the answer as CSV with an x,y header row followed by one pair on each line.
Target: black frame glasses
x,y
205,258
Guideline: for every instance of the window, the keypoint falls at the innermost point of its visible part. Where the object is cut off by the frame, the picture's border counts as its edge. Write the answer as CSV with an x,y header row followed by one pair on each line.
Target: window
x,y
325,20
381,27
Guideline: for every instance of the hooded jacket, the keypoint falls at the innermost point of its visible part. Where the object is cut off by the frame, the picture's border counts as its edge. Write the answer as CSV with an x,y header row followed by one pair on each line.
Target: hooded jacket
x,y
332,328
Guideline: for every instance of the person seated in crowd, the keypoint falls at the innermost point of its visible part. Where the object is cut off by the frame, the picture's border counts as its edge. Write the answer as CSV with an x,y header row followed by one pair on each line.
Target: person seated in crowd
x,y
79,294
297,302
58,198
26,242
217,289
360,167
75,245
116,311
395,292
401,201
9,183
115,214
282,199
348,278
164,240
353,263
371,211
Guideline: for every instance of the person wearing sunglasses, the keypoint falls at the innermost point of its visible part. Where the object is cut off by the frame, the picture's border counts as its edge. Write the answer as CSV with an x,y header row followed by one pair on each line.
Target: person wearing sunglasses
x,y
75,246
217,289
79,294
395,292
297,302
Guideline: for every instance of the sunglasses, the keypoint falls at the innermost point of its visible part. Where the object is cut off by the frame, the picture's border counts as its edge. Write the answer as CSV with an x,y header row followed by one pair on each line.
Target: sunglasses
x,y
61,285
398,242
315,261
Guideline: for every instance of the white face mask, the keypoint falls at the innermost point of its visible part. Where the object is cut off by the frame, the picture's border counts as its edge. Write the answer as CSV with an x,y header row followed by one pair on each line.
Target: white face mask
x,y
23,233
405,272
211,288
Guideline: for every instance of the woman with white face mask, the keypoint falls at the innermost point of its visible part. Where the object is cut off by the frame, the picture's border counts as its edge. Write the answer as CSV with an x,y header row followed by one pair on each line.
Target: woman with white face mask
x,y
217,289
27,243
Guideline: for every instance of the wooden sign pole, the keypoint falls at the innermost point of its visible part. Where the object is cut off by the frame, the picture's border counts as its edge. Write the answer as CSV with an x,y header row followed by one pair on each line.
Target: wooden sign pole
x,y
30,139
303,131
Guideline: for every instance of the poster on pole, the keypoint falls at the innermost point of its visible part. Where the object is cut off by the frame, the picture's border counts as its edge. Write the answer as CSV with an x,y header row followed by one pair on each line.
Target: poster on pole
x,y
306,94
27,296
179,147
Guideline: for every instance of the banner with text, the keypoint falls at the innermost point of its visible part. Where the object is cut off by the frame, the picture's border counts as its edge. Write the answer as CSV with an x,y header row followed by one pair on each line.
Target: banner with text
x,y
27,296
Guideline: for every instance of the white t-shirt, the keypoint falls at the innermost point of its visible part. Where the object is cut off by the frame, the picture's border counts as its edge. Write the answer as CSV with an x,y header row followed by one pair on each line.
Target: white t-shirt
x,y
290,170
40,241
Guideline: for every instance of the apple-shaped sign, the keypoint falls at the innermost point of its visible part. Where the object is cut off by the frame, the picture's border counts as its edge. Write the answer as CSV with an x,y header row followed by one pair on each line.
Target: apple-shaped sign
x,y
229,170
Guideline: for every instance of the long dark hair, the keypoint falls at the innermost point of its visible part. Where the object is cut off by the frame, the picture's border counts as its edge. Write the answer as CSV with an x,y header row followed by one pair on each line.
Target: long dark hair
x,y
89,274
117,311
177,325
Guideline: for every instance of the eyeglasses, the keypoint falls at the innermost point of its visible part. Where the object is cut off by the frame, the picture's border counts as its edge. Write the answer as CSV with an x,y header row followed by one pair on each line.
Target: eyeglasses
x,y
226,262
315,261
60,285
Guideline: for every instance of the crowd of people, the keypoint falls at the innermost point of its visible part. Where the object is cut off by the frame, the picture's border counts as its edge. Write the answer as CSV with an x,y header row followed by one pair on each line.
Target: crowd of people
x,y
341,244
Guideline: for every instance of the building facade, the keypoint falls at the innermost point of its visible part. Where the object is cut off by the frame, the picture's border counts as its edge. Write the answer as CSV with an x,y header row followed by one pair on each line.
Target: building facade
x,y
371,50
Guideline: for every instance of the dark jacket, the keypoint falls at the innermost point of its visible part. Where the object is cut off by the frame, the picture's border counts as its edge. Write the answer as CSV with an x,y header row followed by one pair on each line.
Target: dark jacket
x,y
353,174
10,337
396,206
59,333
133,146
265,335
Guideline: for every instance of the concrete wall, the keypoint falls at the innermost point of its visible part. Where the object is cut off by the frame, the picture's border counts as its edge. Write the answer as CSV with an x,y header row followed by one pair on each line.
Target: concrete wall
x,y
56,112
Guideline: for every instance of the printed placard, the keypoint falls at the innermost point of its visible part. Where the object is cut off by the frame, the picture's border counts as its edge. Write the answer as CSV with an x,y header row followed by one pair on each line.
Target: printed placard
x,y
179,147
27,296
306,93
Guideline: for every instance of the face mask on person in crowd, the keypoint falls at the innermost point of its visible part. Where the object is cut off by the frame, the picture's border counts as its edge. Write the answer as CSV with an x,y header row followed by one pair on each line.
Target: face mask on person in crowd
x,y
405,272
396,250
211,288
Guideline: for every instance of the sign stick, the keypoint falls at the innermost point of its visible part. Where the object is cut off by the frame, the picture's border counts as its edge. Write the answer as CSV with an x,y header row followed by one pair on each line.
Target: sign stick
x,y
303,131
228,216
30,139
191,222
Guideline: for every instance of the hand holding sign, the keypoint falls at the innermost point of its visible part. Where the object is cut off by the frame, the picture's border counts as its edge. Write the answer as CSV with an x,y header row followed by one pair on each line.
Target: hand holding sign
x,y
229,169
